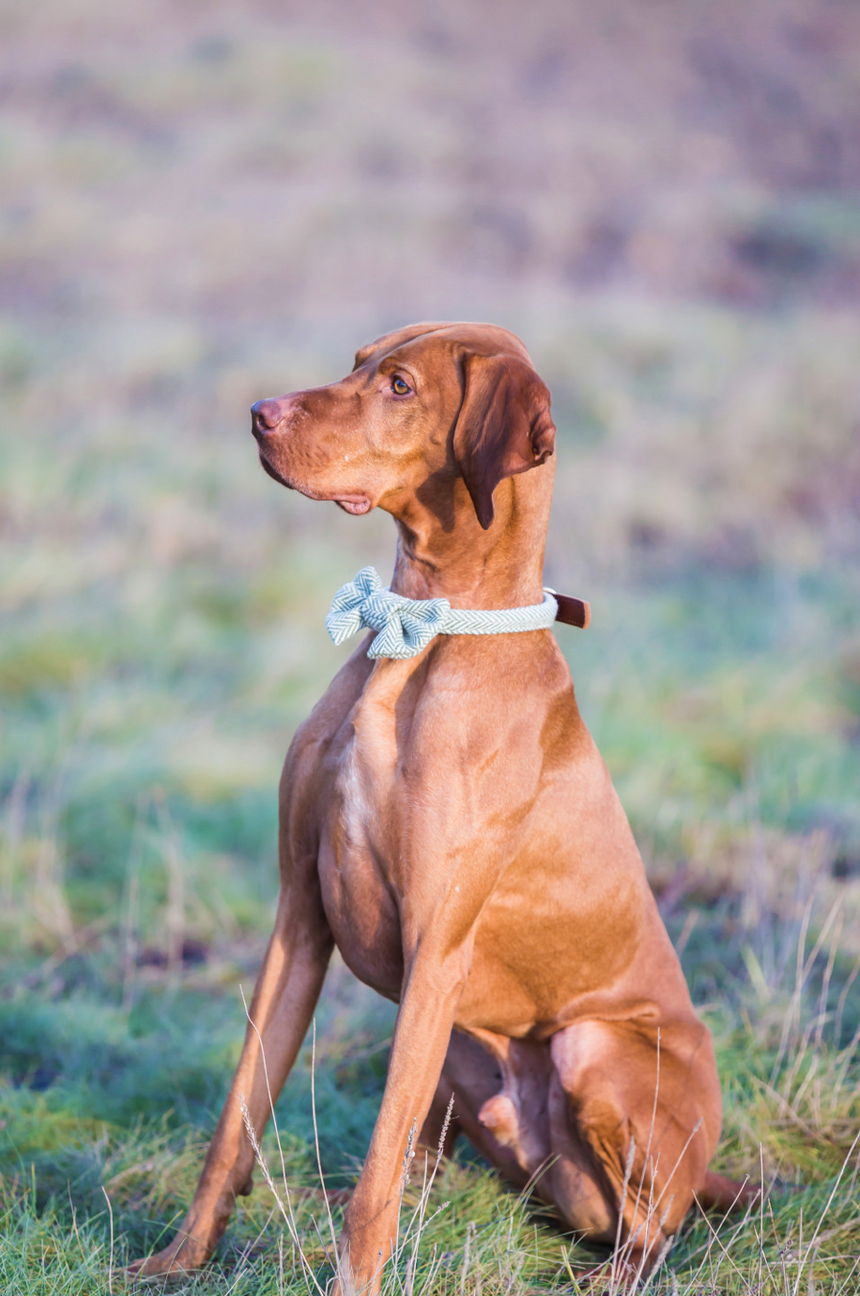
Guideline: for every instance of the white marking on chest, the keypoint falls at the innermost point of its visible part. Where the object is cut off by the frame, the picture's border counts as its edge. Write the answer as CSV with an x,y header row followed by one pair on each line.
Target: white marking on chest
x,y
355,807
364,782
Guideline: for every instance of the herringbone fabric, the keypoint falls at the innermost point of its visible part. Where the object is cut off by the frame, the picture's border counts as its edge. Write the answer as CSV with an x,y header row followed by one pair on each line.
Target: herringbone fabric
x,y
405,626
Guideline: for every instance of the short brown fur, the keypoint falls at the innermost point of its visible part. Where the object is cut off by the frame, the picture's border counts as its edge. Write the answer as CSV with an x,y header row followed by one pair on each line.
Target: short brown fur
x,y
448,822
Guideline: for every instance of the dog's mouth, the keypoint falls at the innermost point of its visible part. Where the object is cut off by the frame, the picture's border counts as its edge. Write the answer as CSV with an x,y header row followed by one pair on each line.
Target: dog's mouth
x,y
354,504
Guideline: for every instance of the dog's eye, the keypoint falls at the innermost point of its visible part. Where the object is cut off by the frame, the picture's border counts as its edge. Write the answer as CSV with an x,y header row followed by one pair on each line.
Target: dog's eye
x,y
399,386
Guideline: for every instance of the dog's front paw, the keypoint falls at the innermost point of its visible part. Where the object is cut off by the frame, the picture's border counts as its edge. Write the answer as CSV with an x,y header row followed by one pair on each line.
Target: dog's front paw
x,y
182,1256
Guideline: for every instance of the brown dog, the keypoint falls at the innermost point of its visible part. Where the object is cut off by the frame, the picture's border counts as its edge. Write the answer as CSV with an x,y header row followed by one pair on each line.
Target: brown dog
x,y
447,821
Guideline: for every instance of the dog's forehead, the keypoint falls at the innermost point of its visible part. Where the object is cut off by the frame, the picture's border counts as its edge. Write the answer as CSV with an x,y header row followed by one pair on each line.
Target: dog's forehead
x,y
417,339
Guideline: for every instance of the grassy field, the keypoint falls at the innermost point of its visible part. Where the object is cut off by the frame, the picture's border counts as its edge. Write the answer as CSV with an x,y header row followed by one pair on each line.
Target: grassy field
x,y
199,210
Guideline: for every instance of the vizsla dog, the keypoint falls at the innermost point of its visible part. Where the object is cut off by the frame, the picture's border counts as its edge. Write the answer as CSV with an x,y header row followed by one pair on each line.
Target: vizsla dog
x,y
447,822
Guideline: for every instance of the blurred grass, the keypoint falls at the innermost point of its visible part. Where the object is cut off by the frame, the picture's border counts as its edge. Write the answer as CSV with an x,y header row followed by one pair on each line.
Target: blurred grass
x,y
200,208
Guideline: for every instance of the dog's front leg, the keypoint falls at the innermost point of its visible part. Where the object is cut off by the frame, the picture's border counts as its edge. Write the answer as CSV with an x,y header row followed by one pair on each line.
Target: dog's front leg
x,y
285,995
432,990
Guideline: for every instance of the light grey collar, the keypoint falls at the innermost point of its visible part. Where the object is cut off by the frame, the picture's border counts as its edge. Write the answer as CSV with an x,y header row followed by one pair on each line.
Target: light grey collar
x,y
405,626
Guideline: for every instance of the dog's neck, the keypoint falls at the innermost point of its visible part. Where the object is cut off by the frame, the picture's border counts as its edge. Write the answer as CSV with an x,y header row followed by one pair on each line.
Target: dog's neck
x,y
443,552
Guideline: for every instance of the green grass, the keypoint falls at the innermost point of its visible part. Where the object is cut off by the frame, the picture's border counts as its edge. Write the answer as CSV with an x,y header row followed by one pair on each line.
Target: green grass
x,y
144,726
791,1120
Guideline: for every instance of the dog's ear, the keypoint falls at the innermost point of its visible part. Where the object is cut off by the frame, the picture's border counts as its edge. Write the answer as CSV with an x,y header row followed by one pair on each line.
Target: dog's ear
x,y
504,426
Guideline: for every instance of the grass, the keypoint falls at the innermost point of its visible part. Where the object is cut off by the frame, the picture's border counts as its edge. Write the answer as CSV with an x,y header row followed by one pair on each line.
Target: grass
x,y
791,1119
201,208
145,713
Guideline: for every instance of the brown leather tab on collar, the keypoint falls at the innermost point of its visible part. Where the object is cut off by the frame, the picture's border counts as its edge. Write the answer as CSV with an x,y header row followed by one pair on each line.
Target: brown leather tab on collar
x,y
572,611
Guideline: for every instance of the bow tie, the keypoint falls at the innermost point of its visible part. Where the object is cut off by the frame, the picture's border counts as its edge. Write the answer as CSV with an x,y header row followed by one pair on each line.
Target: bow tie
x,y
405,626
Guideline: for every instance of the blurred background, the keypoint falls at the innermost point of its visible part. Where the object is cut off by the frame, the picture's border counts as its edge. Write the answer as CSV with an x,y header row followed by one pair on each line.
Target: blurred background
x,y
205,204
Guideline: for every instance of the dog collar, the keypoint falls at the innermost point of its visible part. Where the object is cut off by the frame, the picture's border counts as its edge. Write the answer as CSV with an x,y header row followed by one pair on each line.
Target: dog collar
x,y
405,626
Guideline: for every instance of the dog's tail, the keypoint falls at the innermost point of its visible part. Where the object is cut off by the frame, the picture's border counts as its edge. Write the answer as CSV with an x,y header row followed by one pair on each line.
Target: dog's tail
x,y
721,1194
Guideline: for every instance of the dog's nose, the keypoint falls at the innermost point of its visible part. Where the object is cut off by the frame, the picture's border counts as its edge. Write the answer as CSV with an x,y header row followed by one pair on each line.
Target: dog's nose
x,y
265,416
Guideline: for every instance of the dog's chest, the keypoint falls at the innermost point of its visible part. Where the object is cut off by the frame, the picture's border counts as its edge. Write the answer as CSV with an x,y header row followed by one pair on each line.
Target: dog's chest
x,y
358,847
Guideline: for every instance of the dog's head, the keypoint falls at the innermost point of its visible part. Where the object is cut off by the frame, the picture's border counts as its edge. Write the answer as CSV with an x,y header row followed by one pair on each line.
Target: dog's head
x,y
436,402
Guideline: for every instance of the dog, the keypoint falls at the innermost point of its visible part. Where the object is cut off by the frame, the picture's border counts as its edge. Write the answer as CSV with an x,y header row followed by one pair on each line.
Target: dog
x,y
447,821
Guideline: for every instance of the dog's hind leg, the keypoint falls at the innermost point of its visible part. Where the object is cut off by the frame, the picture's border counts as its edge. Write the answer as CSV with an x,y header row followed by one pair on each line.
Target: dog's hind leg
x,y
474,1075
510,1102
639,1112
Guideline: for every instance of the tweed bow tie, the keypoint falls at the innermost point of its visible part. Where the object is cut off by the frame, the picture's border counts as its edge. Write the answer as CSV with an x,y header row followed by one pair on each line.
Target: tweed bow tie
x,y
405,626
